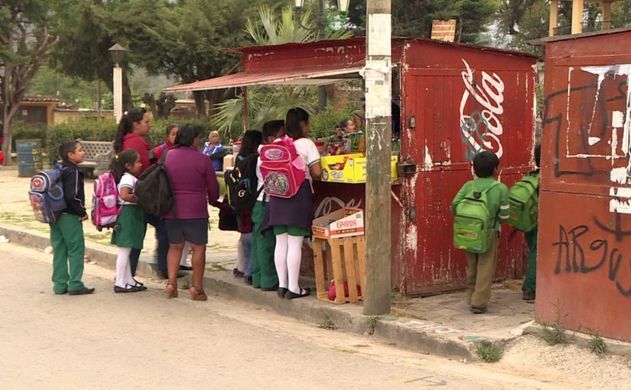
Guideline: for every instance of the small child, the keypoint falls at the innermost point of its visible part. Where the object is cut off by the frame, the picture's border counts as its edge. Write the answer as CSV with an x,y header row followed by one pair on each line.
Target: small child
x,y
246,163
66,234
156,153
530,281
481,267
130,230
263,268
215,150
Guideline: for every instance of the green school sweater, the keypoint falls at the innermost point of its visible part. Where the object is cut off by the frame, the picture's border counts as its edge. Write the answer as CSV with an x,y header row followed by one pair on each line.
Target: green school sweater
x,y
497,197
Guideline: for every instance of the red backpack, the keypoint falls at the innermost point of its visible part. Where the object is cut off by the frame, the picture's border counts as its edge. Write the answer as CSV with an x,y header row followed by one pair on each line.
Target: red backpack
x,y
282,168
105,206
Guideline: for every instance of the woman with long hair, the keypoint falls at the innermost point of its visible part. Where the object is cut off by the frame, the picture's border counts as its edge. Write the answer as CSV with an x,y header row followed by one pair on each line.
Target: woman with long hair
x,y
290,218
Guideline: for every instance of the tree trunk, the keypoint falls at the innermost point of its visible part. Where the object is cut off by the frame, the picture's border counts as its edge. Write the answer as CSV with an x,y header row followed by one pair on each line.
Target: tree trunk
x,y
200,104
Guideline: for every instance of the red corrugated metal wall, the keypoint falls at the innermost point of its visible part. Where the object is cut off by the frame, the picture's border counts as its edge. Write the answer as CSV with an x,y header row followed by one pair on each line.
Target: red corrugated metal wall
x,y
584,268
462,100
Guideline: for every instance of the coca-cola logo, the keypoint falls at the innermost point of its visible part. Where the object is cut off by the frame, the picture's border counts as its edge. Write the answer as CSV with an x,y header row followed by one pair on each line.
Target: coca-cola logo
x,y
480,126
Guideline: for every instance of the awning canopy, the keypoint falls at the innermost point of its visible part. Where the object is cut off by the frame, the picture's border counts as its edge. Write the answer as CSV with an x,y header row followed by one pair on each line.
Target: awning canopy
x,y
296,77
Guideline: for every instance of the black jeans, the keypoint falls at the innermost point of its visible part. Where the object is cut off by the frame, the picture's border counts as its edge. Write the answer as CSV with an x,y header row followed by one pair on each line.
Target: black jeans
x,y
163,245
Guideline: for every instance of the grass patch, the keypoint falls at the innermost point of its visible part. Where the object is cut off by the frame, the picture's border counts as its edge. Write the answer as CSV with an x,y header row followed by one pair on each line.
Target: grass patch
x,y
555,334
327,323
597,345
372,324
488,352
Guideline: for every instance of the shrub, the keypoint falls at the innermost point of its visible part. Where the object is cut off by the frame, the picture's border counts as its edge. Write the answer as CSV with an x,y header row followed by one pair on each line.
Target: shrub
x,y
22,130
597,345
105,130
488,352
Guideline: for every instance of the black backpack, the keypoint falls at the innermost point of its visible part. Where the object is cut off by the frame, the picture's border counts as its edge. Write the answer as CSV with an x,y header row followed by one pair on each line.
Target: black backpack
x,y
242,183
153,190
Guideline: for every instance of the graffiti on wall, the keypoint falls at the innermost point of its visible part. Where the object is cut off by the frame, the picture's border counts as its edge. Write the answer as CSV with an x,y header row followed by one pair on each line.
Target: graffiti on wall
x,y
480,127
589,122
577,254
597,105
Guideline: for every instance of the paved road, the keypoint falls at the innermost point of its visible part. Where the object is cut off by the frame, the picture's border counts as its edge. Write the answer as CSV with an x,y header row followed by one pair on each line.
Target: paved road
x,y
143,340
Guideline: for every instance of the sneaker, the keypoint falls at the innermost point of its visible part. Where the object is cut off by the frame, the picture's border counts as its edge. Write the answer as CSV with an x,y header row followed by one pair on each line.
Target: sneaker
x,y
83,291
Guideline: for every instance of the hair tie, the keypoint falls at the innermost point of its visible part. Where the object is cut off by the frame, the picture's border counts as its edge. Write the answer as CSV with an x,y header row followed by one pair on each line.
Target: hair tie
x,y
116,157
125,113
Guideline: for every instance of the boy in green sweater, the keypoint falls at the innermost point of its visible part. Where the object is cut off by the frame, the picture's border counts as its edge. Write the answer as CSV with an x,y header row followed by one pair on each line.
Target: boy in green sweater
x,y
530,282
481,266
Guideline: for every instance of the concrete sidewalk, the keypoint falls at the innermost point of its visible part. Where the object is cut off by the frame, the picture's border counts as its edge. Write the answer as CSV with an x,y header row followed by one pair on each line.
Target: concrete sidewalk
x,y
440,324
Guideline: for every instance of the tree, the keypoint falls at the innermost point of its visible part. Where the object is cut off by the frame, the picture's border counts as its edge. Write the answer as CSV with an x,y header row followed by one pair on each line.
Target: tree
x,y
90,28
413,18
26,38
267,103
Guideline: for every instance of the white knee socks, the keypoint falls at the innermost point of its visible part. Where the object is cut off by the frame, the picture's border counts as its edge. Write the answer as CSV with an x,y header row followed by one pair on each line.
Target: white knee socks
x,y
280,259
294,258
123,268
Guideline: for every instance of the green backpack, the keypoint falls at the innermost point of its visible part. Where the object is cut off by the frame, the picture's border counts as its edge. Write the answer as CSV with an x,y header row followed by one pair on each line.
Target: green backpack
x,y
524,203
473,222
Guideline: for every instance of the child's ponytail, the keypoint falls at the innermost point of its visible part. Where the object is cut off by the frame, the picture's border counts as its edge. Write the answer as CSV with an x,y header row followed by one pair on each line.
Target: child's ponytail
x,y
117,166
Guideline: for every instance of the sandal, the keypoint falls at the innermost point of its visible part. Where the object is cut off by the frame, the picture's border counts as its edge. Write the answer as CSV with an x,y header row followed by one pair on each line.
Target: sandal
x,y
281,292
198,294
171,291
304,292
137,283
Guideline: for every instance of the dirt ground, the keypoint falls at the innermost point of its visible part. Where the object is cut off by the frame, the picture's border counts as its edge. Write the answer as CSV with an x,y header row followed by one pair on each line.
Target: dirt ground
x,y
143,340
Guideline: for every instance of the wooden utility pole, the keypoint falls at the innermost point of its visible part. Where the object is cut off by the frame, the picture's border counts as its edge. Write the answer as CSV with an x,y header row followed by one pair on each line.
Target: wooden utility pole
x,y
378,78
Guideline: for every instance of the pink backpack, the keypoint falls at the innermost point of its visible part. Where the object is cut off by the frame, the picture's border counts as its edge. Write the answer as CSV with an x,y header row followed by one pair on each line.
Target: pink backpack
x,y
282,168
105,207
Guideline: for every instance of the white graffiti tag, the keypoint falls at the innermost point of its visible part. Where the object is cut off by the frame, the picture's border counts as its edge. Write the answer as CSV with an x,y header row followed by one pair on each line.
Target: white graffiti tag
x,y
481,128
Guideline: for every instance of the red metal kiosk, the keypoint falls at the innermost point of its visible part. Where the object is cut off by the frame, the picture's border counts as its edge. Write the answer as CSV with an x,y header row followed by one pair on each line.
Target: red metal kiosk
x,y
455,100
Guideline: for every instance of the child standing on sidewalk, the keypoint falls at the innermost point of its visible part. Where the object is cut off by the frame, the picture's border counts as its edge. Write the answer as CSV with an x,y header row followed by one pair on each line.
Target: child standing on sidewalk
x,y
66,234
263,269
530,281
130,230
481,266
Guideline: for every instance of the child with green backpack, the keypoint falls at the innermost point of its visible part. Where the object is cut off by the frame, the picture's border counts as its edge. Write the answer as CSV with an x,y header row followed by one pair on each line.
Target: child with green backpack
x,y
479,208
524,210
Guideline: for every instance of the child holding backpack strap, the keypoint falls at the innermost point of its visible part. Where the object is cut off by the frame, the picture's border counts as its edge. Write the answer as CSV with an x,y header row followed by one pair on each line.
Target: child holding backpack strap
x,y
486,197
291,218
130,231
66,233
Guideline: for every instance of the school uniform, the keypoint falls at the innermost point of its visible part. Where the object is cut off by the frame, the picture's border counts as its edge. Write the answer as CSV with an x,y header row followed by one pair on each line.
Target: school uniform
x,y
530,281
141,146
481,267
66,234
263,268
130,232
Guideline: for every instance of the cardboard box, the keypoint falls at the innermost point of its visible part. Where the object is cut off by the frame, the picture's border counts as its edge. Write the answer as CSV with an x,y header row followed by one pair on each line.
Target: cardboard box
x,y
349,168
344,222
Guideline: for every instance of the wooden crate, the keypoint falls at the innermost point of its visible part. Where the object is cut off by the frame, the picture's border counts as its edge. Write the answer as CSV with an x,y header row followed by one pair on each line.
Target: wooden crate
x,y
344,260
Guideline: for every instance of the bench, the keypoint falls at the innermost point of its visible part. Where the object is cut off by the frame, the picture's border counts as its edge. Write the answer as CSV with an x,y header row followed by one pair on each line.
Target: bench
x,y
97,156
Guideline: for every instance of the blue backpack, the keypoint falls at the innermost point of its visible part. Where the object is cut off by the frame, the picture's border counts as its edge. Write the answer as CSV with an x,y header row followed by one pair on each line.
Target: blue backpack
x,y
46,195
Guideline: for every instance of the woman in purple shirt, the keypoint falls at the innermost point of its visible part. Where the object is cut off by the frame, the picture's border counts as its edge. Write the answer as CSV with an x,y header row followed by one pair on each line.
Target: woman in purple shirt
x,y
194,186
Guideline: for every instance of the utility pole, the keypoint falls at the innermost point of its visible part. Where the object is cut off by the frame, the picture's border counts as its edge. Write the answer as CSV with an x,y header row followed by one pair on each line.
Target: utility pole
x,y
378,78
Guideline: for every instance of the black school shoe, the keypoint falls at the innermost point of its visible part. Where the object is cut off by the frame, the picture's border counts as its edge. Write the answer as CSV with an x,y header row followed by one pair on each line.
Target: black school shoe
x,y
528,295
83,291
129,289
304,292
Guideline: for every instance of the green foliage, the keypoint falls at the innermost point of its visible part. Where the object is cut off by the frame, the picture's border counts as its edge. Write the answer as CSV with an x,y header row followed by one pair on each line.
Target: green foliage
x,y
87,130
597,345
488,352
104,130
327,323
323,124
23,130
